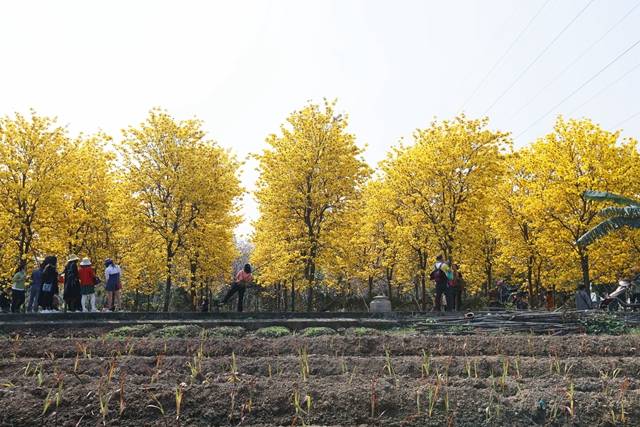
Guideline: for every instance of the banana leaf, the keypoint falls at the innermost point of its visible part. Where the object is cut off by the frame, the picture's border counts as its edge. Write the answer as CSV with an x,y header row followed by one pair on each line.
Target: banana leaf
x,y
605,196
625,212
605,227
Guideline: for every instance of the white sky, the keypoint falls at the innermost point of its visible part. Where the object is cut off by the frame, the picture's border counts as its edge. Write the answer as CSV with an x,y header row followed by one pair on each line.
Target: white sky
x,y
243,66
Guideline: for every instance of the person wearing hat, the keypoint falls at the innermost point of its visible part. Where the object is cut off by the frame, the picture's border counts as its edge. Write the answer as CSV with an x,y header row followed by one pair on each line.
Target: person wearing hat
x,y
88,281
112,282
72,293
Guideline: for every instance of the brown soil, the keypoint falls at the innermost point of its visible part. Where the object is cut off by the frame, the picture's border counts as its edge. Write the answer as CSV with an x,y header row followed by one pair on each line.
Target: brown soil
x,y
382,380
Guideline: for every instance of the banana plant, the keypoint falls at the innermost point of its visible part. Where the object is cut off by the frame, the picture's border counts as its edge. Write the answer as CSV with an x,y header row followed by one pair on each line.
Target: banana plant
x,y
615,216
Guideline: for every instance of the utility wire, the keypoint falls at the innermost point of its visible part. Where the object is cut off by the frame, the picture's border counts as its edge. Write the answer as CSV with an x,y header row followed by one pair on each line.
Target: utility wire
x,y
626,120
575,60
601,91
535,60
589,80
504,55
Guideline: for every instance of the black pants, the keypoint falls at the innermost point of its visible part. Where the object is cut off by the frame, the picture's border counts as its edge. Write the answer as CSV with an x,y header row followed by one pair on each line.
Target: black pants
x,y
17,299
443,289
235,287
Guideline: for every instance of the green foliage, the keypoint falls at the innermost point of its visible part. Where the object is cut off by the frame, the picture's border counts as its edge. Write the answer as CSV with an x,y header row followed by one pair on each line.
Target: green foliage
x,y
317,331
178,331
603,323
628,216
273,332
225,331
130,331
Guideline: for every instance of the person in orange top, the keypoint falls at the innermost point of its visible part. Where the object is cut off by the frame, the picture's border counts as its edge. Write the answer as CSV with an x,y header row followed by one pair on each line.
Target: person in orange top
x,y
88,280
243,278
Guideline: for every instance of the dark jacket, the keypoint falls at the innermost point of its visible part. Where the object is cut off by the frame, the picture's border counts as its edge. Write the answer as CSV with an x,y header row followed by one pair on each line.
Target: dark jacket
x,y
71,281
583,300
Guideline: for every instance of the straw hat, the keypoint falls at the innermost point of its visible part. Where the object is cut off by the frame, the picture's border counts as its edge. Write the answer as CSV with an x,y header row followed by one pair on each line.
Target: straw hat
x,y
72,257
85,261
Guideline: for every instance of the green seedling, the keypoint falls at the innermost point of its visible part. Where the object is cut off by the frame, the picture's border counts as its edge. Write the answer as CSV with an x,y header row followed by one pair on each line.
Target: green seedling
x,y
304,363
233,370
158,404
571,401
425,368
179,396
47,403
388,366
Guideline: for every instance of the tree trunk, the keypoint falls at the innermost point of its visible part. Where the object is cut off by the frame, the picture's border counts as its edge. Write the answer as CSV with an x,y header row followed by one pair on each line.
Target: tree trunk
x,y
310,297
370,283
285,296
584,264
293,295
530,279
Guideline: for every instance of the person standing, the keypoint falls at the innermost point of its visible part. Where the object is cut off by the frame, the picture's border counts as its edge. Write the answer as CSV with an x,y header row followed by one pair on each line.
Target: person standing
x,y
88,281
17,289
441,280
111,282
72,293
458,287
35,289
49,283
583,299
243,278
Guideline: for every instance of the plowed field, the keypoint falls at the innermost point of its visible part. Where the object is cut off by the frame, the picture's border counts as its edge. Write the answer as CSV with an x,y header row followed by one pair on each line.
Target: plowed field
x,y
329,380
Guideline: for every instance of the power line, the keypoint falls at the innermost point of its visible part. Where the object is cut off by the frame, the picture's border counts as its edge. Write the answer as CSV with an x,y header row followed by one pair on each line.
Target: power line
x,y
575,60
601,91
532,63
589,80
627,119
504,55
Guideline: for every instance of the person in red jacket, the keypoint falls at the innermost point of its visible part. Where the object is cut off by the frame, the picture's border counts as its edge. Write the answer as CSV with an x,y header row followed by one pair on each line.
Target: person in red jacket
x,y
244,278
88,280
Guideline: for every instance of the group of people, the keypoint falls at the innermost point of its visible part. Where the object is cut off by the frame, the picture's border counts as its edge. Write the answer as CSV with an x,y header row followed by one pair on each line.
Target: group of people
x,y
78,281
449,285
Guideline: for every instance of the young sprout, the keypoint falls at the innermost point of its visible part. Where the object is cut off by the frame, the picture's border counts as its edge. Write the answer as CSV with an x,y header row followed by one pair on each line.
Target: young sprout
x,y
570,397
233,370
425,368
158,404
47,402
123,405
388,366
304,363
179,395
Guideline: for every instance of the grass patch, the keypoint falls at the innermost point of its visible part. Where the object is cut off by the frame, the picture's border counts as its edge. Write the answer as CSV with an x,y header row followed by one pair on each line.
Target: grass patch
x,y
178,331
273,332
361,331
130,331
316,331
225,331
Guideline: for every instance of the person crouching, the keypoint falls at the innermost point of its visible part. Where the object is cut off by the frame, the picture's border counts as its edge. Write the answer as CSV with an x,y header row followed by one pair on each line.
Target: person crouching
x,y
88,281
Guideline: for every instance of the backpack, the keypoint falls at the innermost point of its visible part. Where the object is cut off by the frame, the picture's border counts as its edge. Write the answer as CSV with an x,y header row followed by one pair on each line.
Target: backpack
x,y
438,276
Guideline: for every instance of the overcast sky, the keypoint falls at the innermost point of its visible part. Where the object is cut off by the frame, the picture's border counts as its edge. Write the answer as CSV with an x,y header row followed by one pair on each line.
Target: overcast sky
x,y
243,66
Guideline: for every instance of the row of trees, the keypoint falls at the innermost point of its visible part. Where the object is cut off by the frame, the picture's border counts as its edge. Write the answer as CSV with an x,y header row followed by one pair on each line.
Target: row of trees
x,y
460,189
162,201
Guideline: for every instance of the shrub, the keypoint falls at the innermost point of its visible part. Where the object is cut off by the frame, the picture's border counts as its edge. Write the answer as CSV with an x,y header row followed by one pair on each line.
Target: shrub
x,y
317,331
130,331
225,331
603,323
273,332
361,331
178,331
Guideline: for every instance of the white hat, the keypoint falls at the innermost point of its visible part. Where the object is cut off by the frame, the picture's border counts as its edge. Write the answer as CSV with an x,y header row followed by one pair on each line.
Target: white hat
x,y
73,257
85,261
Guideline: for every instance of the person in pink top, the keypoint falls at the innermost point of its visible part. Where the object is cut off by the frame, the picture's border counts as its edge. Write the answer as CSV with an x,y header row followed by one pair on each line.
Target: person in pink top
x,y
243,278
